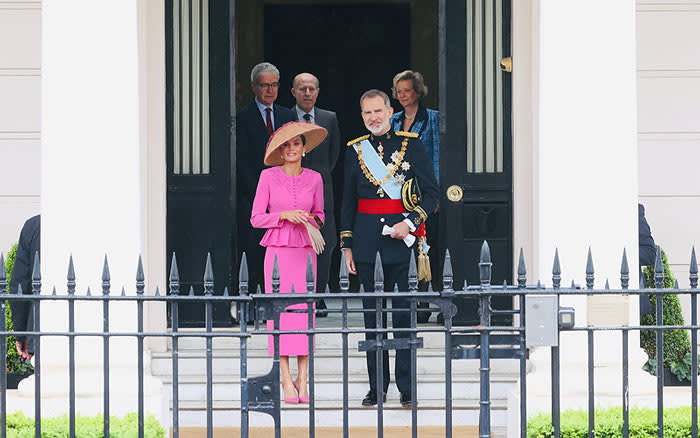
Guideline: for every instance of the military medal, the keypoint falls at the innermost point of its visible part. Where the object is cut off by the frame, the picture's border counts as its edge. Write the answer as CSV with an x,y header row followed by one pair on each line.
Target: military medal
x,y
380,149
405,165
400,178
380,192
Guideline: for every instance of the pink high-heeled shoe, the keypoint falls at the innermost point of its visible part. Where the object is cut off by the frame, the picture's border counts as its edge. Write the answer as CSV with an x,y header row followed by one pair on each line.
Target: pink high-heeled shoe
x,y
292,400
301,399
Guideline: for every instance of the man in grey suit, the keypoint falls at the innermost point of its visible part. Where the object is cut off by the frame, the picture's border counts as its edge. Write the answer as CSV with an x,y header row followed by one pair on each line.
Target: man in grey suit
x,y
254,125
322,159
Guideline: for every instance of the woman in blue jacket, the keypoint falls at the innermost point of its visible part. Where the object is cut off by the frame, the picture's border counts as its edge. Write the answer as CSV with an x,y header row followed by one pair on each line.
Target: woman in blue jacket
x,y
408,89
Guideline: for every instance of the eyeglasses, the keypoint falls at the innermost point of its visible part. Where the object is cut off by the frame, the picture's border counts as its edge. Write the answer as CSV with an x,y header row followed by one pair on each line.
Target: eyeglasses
x,y
267,86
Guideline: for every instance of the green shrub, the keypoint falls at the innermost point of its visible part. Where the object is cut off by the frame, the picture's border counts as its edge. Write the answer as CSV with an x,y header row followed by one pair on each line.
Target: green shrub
x,y
19,426
676,342
608,423
15,362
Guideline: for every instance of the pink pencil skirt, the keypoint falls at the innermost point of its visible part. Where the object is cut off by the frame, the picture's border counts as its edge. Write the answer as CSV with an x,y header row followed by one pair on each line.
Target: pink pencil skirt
x,y
292,265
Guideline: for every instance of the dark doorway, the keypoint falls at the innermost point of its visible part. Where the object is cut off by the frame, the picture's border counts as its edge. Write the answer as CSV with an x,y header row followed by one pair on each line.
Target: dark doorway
x,y
350,48
476,150
199,218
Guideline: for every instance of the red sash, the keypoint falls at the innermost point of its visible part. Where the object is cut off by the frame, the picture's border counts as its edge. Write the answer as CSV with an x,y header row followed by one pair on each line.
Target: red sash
x,y
386,206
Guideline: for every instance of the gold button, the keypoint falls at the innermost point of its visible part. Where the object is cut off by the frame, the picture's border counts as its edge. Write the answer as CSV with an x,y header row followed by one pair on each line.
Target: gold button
x,y
381,220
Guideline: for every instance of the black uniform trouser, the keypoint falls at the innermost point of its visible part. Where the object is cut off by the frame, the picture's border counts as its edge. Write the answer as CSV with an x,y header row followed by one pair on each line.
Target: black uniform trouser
x,y
393,274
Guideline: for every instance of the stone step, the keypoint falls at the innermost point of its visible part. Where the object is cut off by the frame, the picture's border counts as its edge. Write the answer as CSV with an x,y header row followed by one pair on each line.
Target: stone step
x,y
227,363
332,390
227,414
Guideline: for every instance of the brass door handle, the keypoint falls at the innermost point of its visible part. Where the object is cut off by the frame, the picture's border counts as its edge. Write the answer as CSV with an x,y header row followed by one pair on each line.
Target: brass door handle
x,y
507,64
455,193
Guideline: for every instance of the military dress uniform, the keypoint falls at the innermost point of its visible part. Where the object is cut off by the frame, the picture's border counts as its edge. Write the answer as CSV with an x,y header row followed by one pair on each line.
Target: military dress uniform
x,y
366,209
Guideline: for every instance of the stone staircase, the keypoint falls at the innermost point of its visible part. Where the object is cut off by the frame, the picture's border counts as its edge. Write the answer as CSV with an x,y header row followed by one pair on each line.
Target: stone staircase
x,y
328,384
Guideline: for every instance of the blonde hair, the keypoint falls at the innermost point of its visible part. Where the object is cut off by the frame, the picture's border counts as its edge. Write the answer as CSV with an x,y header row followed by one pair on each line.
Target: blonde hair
x,y
413,76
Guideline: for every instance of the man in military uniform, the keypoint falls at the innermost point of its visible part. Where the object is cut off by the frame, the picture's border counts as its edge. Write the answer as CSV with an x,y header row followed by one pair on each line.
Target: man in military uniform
x,y
379,212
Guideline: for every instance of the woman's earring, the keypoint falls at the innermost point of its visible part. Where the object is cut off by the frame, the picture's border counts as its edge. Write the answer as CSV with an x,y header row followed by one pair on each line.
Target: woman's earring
x,y
303,154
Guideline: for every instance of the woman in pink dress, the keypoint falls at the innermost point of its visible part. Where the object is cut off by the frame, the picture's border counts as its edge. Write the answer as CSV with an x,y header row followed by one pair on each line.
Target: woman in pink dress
x,y
287,200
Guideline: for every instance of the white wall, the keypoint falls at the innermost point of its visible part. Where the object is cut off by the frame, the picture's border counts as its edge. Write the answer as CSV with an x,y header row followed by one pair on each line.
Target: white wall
x,y
669,125
668,72
20,111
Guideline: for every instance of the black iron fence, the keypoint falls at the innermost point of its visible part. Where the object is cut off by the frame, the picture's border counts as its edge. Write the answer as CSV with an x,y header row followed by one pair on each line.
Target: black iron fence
x,y
261,393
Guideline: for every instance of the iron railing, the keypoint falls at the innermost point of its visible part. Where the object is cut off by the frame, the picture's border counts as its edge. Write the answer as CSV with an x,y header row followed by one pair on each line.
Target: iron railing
x,y
262,393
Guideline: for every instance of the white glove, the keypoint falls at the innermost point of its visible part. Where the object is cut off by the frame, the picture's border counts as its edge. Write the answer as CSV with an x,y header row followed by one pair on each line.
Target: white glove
x,y
316,238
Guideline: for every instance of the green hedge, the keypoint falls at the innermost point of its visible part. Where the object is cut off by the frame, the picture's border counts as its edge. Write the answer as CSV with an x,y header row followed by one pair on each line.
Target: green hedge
x,y
608,423
15,363
19,426
676,342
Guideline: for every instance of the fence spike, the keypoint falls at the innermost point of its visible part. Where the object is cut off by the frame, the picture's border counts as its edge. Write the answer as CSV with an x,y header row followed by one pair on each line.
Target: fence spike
x,y
19,289
539,284
659,269
573,285
430,286
693,269
174,274
362,288
556,270
225,291
505,284
275,276
465,285
70,277
242,276
675,284
88,293
258,290
208,270
157,291
105,270
624,270
3,274
590,271
343,276
208,277
139,271
310,276
53,292
607,284
447,272
378,274
485,265
328,289
123,291
522,271
293,290
36,272
412,273
71,269
174,280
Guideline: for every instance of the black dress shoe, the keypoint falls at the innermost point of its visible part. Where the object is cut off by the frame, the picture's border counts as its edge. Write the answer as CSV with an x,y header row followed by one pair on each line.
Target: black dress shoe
x,y
321,311
371,398
406,399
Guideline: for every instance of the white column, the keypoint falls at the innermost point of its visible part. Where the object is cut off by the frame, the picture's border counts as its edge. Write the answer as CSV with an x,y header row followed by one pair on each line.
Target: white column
x,y
584,184
92,181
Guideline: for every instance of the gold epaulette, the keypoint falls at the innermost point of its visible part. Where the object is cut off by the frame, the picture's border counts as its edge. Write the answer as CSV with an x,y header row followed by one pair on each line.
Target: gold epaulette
x,y
406,134
358,139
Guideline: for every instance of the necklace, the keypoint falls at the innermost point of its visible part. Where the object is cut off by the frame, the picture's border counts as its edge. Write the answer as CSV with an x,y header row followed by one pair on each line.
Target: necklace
x,y
409,118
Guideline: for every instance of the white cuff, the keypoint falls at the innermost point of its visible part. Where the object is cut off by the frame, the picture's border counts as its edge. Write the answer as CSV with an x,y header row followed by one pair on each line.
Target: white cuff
x,y
410,225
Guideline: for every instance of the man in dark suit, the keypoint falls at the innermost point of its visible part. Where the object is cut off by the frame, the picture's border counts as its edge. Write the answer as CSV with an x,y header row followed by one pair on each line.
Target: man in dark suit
x,y
377,215
322,159
254,125
22,316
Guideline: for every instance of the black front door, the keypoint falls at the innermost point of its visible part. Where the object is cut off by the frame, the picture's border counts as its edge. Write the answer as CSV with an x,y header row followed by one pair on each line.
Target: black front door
x,y
199,212
476,159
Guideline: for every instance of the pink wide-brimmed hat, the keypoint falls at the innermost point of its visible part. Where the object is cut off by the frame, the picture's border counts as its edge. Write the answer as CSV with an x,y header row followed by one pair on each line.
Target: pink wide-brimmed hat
x,y
313,135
